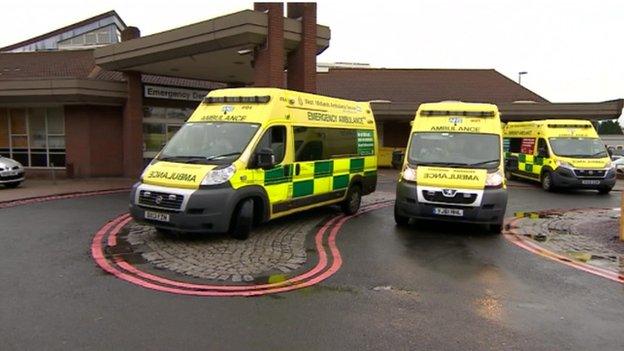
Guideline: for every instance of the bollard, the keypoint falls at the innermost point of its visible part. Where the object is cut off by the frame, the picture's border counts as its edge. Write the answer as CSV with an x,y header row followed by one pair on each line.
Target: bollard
x,y
621,216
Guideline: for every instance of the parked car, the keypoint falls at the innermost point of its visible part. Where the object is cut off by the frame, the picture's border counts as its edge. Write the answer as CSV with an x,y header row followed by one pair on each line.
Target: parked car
x,y
11,172
619,166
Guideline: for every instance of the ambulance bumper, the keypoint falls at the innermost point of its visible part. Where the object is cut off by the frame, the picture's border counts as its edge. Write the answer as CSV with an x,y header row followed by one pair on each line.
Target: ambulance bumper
x,y
491,210
201,211
565,178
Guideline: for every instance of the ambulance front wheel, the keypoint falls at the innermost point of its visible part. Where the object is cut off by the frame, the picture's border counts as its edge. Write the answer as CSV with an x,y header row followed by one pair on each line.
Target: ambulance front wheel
x,y
400,220
351,203
547,181
242,220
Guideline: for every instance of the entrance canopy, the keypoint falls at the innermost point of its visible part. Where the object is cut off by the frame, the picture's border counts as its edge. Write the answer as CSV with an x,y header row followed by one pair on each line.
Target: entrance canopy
x,y
515,111
220,49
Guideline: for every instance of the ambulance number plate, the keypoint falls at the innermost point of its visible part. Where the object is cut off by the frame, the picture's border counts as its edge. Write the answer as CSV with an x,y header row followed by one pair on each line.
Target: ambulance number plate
x,y
448,212
157,216
590,182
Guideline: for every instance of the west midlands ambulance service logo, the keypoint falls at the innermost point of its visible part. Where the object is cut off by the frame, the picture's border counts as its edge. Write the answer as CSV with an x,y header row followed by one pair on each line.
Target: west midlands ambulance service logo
x,y
455,120
227,109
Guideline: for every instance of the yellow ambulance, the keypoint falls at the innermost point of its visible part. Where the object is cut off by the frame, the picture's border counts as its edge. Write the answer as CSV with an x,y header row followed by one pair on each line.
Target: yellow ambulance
x,y
559,153
453,167
247,155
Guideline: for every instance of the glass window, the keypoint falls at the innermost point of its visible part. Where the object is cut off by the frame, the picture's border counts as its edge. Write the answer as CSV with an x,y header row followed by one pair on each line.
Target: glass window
x,y
56,122
34,137
103,37
578,147
18,121
90,38
218,142
177,113
4,133
153,136
313,144
153,112
274,139
455,149
37,129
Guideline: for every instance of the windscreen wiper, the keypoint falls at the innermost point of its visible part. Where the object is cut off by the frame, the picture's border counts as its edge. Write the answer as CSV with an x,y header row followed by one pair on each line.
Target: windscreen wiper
x,y
483,162
443,164
224,155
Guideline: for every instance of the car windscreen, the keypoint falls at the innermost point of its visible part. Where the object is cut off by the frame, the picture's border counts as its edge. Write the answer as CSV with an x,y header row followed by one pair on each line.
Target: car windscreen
x,y
578,147
455,149
214,142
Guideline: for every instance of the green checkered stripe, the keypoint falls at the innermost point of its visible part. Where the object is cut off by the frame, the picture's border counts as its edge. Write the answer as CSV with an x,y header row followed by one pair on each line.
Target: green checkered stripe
x,y
325,169
278,175
530,163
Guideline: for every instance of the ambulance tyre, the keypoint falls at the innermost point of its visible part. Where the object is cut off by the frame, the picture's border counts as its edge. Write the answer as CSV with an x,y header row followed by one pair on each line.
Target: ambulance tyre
x,y
547,181
242,220
495,228
351,203
400,221
12,185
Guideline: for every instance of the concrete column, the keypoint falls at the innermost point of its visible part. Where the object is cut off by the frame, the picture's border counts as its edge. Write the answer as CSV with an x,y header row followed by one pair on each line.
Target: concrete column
x,y
269,58
302,61
133,117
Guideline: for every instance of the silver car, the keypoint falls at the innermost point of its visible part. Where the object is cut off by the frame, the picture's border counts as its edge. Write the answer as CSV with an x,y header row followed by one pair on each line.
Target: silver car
x,y
11,172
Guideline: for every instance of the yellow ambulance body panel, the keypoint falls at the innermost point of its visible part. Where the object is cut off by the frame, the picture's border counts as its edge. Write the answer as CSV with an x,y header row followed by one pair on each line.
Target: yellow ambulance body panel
x,y
453,167
280,150
559,153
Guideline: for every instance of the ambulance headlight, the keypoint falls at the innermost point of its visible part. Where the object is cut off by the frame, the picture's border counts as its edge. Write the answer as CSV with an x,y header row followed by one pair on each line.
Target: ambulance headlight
x,y
563,164
409,173
218,176
494,180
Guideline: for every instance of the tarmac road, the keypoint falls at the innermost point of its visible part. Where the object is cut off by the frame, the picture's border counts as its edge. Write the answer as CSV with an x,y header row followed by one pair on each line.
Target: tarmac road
x,y
429,287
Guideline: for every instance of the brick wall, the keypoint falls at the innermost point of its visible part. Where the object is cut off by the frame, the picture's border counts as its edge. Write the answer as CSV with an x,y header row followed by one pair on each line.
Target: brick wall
x,y
93,139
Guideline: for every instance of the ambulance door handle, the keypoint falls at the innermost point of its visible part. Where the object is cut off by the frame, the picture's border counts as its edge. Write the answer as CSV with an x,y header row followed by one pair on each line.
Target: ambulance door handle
x,y
297,169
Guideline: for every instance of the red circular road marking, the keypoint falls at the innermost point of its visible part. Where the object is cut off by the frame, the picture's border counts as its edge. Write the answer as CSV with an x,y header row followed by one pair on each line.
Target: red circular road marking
x,y
520,241
323,270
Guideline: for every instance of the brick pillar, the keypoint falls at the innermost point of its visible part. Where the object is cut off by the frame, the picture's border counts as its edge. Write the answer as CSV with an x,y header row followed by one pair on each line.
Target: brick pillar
x,y
132,117
269,59
302,61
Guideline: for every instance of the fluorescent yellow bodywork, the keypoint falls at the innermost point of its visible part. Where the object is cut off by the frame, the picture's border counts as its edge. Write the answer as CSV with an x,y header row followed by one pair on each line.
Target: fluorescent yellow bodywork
x,y
533,164
450,177
286,108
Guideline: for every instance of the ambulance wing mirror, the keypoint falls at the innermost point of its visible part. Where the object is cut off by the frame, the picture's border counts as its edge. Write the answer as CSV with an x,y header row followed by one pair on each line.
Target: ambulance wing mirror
x,y
264,158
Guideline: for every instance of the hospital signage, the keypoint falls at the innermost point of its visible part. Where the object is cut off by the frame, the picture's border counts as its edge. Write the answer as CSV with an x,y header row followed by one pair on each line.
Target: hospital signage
x,y
171,93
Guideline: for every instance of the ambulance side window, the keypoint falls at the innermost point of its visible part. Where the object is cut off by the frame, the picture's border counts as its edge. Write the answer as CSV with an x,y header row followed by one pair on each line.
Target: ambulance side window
x,y
542,149
275,139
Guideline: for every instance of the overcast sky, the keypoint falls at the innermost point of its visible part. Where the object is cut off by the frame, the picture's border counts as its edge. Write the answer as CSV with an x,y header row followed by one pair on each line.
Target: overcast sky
x,y
572,50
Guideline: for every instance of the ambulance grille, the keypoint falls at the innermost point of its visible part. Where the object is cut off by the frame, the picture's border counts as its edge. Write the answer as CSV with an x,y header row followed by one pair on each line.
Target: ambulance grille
x,y
157,199
458,198
590,173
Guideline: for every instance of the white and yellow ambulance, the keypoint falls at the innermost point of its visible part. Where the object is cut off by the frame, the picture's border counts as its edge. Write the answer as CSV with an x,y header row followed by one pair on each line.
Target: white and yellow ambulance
x,y
247,155
453,167
559,153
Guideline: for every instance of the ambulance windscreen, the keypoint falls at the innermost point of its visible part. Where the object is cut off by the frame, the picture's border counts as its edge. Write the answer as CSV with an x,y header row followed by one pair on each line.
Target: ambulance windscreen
x,y
578,147
455,149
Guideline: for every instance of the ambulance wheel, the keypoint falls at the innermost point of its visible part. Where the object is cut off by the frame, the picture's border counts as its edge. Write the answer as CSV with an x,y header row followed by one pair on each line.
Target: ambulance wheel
x,y
351,203
401,221
495,228
604,191
547,181
509,175
12,185
242,220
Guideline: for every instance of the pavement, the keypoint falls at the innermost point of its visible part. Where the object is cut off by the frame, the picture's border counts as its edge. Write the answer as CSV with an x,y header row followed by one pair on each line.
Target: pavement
x,y
429,286
31,188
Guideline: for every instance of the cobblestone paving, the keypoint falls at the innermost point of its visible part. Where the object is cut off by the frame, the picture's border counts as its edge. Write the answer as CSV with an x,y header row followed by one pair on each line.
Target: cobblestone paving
x,y
278,246
587,235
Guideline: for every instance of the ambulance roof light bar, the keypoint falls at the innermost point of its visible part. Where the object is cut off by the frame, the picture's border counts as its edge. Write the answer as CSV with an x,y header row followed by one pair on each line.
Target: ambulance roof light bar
x,y
237,99
437,113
